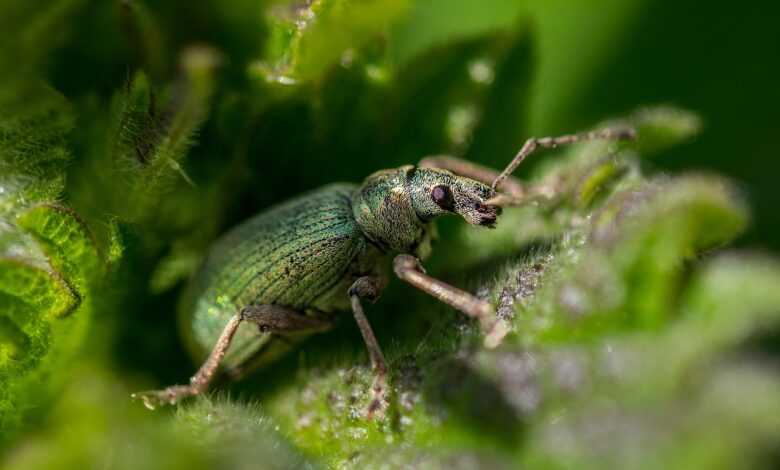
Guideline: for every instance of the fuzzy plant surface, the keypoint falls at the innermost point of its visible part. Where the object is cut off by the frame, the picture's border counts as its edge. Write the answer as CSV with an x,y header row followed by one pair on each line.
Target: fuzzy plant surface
x,y
642,333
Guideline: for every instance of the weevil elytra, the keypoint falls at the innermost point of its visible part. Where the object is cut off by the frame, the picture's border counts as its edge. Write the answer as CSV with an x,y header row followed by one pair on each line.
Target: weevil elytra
x,y
279,276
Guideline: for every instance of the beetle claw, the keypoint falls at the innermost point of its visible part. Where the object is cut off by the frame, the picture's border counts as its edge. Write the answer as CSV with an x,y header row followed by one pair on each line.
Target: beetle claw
x,y
378,398
169,396
495,335
504,200
149,400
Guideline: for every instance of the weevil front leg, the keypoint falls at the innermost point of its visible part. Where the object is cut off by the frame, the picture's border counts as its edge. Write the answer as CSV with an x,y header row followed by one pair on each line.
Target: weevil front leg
x,y
268,318
369,287
513,192
474,171
535,143
408,268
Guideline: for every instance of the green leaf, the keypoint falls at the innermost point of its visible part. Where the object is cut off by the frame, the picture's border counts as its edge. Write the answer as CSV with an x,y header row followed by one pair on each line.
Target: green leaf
x,y
41,289
306,41
662,127
636,250
93,425
434,23
49,263
150,139
45,304
34,123
66,240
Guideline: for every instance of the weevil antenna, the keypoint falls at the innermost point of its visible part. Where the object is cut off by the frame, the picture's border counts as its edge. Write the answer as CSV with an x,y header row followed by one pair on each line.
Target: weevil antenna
x,y
534,143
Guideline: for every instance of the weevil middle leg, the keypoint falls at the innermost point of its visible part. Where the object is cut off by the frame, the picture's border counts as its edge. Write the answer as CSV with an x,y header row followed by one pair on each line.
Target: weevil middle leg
x,y
268,318
369,287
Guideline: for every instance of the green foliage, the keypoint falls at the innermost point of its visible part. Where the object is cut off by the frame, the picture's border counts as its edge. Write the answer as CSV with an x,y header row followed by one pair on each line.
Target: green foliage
x,y
150,135
48,260
307,40
49,267
133,133
437,23
91,428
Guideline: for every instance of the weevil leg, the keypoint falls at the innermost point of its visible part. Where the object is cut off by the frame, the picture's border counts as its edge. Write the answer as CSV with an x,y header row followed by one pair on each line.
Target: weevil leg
x,y
534,143
368,287
514,193
472,170
408,268
269,318
200,381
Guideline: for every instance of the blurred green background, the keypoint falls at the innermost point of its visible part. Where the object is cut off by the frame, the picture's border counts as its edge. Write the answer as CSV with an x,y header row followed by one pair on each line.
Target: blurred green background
x,y
133,133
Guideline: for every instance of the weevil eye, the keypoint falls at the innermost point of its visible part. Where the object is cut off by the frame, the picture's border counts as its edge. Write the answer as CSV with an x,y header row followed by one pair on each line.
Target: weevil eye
x,y
264,328
442,196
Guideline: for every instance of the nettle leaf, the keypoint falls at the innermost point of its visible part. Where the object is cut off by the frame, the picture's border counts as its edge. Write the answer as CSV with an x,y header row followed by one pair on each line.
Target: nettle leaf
x,y
212,432
152,132
34,121
682,381
39,288
307,40
627,265
734,298
662,127
49,261
48,276
66,240
434,23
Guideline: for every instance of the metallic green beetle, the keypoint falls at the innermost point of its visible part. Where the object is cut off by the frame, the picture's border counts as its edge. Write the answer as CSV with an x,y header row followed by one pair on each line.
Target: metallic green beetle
x,y
280,276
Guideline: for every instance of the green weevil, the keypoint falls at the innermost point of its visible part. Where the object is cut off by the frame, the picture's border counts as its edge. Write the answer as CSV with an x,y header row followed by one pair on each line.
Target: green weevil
x,y
281,275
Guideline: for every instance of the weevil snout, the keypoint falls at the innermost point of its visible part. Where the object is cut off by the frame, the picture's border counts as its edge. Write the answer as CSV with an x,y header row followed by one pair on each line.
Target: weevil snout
x,y
476,211
471,201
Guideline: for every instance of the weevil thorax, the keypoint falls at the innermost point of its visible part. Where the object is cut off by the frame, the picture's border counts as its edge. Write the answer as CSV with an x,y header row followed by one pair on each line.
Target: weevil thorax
x,y
395,207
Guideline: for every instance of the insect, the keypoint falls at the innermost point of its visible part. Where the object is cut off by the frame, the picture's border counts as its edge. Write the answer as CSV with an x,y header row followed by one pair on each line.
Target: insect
x,y
281,275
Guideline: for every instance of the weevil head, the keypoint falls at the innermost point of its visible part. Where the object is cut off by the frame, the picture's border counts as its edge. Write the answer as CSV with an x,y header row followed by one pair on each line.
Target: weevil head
x,y
395,207
436,192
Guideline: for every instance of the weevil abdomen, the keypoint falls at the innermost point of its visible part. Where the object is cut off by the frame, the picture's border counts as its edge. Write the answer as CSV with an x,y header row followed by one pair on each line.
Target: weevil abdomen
x,y
303,254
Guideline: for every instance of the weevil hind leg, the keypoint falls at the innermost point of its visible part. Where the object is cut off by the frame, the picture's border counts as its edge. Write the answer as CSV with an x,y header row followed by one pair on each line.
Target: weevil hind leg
x,y
201,380
269,319
409,269
368,288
